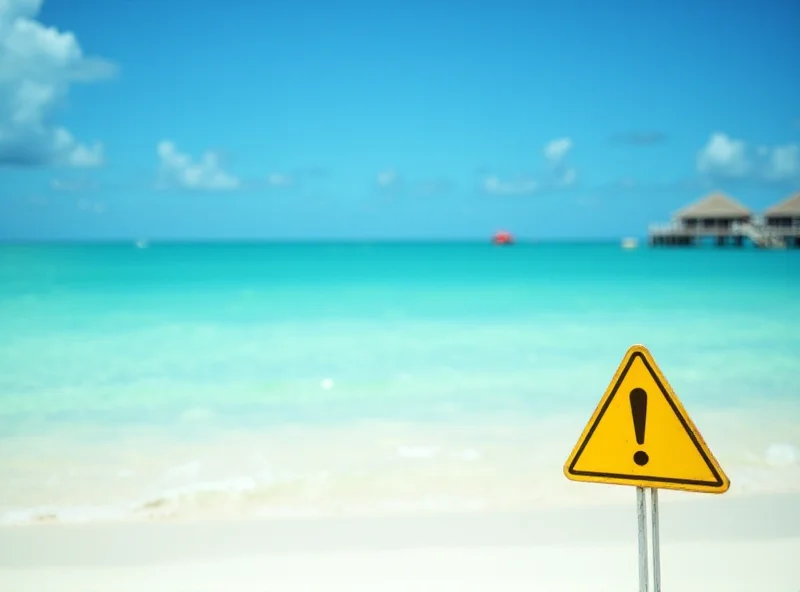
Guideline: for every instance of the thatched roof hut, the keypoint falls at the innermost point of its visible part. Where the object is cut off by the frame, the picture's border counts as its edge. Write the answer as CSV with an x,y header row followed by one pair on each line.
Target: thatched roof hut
x,y
784,212
715,206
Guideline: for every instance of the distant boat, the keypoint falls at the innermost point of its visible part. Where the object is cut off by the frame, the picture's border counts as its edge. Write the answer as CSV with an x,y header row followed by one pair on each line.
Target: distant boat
x,y
141,244
503,238
630,243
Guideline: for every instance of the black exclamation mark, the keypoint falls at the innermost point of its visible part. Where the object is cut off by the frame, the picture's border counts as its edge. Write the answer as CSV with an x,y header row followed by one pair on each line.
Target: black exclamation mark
x,y
639,412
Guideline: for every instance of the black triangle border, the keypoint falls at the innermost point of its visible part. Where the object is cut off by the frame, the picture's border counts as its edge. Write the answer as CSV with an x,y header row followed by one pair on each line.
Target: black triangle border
x,y
717,483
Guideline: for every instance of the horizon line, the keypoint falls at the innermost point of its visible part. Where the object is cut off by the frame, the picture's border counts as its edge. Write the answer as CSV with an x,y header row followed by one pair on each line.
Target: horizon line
x,y
306,241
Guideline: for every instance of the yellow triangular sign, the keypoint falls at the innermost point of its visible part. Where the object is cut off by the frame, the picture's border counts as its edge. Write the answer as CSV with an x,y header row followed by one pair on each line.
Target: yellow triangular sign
x,y
641,435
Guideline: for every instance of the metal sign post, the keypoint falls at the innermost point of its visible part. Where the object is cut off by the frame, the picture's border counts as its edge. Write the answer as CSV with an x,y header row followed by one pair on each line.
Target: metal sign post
x,y
656,540
641,508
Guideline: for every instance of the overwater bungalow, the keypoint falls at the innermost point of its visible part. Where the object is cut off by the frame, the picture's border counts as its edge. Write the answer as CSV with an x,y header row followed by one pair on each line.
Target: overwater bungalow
x,y
783,219
724,220
716,216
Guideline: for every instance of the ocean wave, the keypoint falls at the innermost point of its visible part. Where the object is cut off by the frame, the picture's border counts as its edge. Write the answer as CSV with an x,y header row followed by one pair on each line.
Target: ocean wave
x,y
779,455
422,484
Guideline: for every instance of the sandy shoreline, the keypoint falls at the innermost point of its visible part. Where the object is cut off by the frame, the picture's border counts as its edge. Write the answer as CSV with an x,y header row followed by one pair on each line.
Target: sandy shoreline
x,y
708,543
689,567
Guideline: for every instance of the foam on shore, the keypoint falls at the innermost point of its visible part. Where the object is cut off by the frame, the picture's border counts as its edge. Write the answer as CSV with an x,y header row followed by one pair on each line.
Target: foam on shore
x,y
352,469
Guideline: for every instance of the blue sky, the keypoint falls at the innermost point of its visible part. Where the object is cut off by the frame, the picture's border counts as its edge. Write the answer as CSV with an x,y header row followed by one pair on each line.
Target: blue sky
x,y
397,119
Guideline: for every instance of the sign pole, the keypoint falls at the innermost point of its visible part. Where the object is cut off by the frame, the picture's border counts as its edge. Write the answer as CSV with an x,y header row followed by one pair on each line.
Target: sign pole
x,y
656,540
641,507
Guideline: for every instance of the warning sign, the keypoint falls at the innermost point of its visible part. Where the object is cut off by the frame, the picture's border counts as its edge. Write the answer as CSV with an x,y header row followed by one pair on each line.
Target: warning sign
x,y
641,435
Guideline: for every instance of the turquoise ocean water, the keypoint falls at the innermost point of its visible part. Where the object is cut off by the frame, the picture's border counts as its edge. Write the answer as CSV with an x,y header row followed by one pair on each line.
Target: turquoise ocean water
x,y
194,380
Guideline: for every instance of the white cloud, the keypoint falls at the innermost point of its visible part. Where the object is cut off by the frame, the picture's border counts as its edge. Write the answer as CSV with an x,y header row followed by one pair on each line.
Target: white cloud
x,y
558,173
568,176
556,150
783,163
589,201
179,170
279,180
496,186
390,182
723,156
432,186
386,178
38,64
95,207
71,185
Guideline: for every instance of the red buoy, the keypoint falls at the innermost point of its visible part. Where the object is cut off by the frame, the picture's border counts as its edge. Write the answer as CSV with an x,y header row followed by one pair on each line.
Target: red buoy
x,y
503,238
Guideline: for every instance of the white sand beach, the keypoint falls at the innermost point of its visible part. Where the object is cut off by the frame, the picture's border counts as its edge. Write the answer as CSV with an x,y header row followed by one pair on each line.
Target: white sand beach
x,y
731,543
